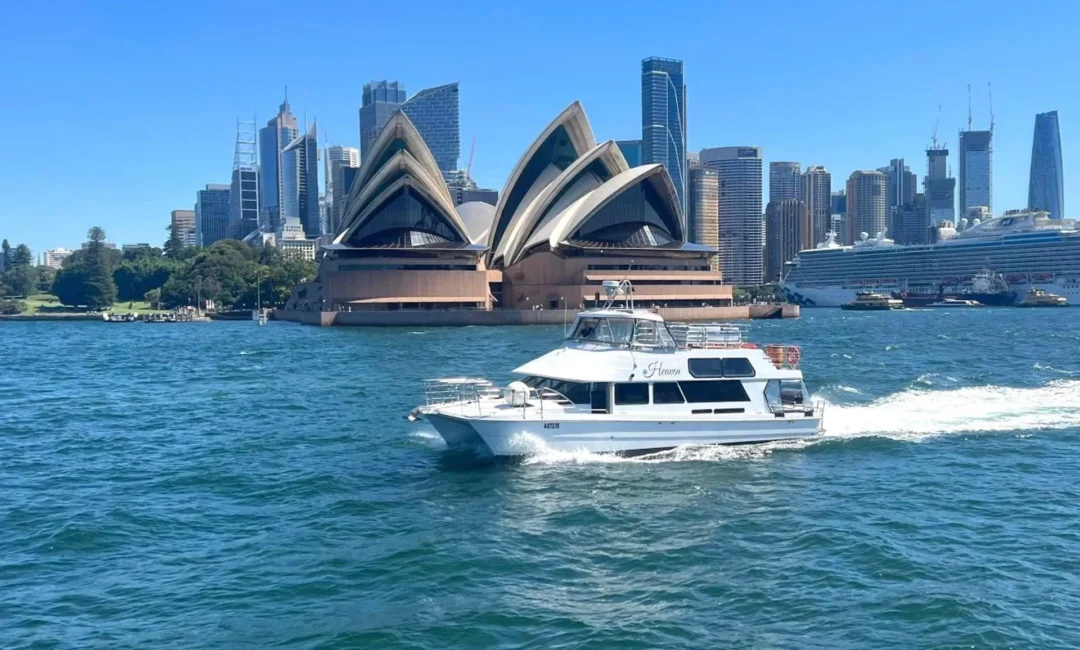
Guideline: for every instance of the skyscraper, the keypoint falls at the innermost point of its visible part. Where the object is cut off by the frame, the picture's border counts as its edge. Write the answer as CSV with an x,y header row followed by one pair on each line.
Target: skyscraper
x,y
787,231
435,113
244,193
910,223
631,150
380,100
703,217
816,191
212,214
273,138
784,180
838,218
976,169
337,192
663,119
300,191
866,204
939,189
1046,186
182,222
739,175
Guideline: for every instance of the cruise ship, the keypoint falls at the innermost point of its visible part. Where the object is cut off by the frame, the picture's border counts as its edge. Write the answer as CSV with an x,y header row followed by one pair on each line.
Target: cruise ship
x,y
1022,250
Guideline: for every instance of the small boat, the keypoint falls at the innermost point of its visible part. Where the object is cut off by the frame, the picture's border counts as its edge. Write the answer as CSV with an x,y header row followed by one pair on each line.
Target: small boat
x,y
870,301
627,382
946,303
1040,298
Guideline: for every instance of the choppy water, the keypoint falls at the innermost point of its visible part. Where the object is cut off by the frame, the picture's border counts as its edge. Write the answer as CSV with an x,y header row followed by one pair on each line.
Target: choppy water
x,y
224,485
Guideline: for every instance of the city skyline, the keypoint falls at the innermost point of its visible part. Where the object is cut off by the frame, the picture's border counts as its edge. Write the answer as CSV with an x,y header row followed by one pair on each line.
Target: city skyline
x,y
839,138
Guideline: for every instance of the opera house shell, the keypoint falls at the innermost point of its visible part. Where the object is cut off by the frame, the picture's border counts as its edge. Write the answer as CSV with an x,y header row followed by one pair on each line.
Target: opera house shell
x,y
572,214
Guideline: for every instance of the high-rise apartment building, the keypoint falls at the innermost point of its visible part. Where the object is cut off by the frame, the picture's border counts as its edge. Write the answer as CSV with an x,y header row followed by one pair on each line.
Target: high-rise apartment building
x,y
631,150
784,180
788,230
380,100
273,138
54,259
816,191
739,177
435,112
663,119
976,169
212,214
939,189
182,222
300,191
337,192
703,217
867,206
1046,186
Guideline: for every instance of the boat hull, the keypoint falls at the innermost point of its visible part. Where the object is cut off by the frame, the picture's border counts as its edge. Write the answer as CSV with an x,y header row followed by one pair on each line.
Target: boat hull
x,y
612,434
836,296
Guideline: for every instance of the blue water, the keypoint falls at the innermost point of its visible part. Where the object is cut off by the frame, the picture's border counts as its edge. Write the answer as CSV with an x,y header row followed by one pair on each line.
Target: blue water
x,y
223,485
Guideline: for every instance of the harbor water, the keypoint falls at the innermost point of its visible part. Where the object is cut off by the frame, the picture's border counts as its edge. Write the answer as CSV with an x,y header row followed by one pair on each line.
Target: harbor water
x,y
224,485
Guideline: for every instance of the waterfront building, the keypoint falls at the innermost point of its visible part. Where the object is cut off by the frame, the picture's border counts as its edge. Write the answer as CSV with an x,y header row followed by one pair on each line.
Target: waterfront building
x,y
816,191
976,169
212,213
784,180
631,150
703,220
182,223
939,188
910,223
1046,185
273,138
435,114
335,158
866,205
663,119
380,100
572,215
300,191
788,230
739,175
292,241
54,259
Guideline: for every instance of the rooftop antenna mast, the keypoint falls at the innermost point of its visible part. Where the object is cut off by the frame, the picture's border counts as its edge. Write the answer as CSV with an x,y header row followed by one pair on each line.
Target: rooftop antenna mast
x,y
969,107
990,93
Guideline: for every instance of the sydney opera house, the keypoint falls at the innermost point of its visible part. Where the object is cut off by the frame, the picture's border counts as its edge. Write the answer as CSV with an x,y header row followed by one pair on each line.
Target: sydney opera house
x,y
571,215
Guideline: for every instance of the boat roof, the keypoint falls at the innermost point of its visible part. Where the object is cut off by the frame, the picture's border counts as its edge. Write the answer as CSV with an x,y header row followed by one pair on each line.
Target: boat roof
x,y
643,314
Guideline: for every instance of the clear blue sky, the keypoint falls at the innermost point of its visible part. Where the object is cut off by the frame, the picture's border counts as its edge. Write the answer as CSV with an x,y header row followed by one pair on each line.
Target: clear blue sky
x,y
117,113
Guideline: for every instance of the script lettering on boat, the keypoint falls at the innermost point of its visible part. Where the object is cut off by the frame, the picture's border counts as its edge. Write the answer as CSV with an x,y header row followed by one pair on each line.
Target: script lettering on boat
x,y
657,369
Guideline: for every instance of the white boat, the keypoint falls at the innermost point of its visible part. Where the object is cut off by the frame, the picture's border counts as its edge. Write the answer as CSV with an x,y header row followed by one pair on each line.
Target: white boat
x,y
950,303
626,382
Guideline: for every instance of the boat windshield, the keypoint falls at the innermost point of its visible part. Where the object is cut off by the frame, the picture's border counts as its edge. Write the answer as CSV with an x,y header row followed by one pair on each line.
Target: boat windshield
x,y
623,331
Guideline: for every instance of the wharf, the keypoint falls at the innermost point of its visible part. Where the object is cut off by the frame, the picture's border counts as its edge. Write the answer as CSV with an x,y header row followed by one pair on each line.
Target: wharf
x,y
463,317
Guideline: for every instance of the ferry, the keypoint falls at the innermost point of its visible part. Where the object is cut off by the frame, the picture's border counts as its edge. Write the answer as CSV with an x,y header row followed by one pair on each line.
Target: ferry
x,y
1022,250
953,303
1040,298
869,301
626,382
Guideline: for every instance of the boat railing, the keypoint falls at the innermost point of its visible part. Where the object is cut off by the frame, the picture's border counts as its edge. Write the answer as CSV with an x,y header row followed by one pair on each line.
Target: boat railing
x,y
466,391
707,335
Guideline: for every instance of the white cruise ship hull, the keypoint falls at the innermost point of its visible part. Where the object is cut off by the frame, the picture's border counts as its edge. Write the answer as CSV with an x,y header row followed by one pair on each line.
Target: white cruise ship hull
x,y
611,434
836,296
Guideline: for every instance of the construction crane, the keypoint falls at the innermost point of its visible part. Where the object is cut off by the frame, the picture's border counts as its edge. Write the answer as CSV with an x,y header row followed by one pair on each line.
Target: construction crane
x,y
472,152
969,107
990,94
933,138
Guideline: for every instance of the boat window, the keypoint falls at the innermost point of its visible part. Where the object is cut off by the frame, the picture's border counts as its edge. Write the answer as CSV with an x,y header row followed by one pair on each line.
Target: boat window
x,y
632,393
599,398
738,367
604,330
783,394
578,393
714,391
667,392
708,367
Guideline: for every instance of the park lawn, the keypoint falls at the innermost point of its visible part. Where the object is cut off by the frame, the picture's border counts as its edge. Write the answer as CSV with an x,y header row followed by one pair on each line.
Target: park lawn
x,y
47,303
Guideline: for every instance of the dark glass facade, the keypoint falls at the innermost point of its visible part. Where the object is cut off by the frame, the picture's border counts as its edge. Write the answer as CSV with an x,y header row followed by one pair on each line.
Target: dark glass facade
x,y
1046,187
631,150
405,220
663,119
380,100
212,207
244,201
273,138
435,114
638,213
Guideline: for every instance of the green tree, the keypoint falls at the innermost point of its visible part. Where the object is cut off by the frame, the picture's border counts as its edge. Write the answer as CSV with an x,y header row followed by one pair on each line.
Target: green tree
x,y
21,256
5,250
100,286
21,280
174,245
70,284
45,278
153,297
